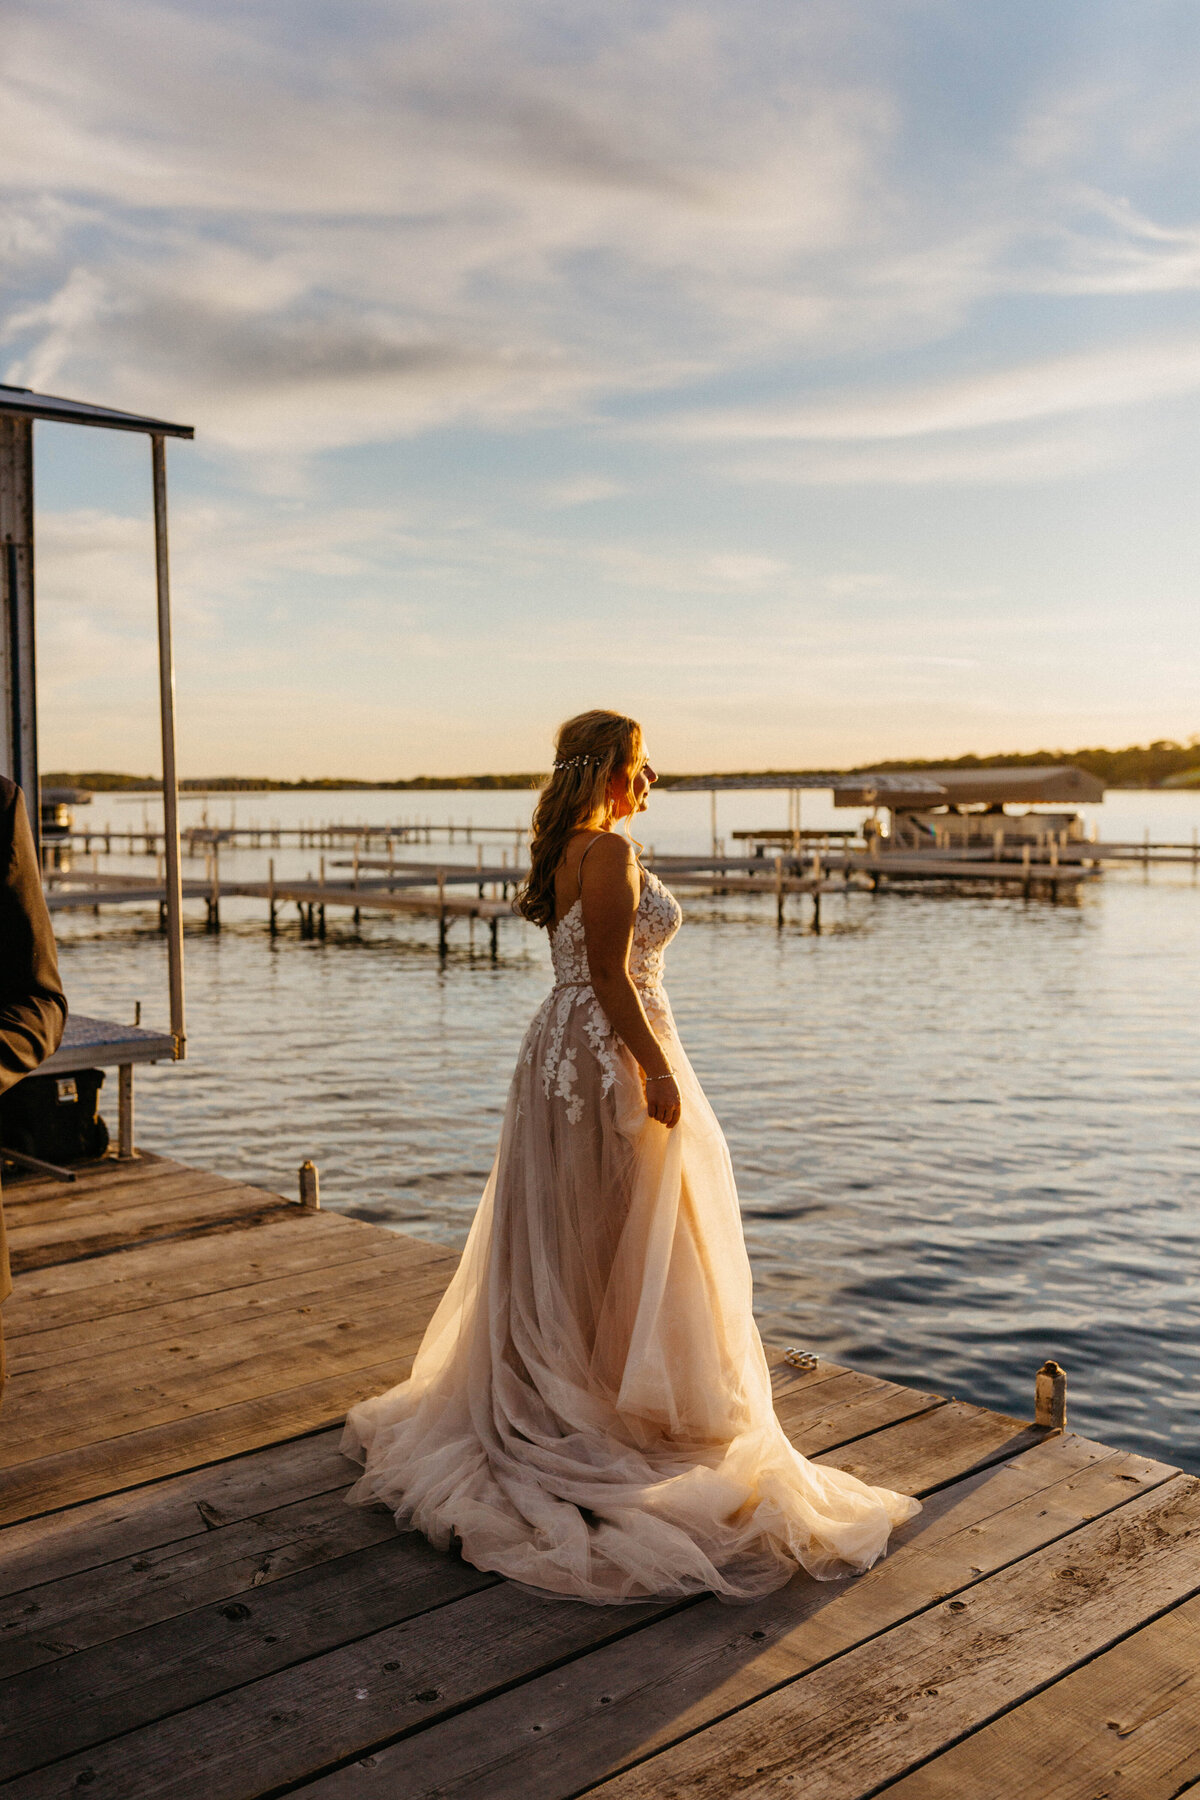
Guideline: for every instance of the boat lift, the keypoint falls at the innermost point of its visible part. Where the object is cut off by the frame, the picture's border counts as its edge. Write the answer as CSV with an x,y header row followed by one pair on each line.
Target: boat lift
x,y
87,1042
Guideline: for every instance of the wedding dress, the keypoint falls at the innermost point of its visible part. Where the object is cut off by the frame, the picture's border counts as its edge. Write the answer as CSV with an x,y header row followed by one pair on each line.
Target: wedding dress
x,y
590,1410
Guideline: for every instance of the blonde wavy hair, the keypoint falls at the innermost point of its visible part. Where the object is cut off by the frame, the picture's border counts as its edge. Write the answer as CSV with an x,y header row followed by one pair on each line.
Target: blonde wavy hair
x,y
590,750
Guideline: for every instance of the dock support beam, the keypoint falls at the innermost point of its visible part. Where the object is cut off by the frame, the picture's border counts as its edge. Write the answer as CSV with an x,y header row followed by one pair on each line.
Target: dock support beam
x,y
166,699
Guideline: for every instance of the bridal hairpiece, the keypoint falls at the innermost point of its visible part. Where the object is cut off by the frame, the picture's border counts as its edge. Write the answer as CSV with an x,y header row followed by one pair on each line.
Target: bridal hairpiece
x,y
576,762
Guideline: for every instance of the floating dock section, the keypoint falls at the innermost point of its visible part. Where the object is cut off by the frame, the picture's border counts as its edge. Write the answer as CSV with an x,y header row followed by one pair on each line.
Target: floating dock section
x,y
191,1611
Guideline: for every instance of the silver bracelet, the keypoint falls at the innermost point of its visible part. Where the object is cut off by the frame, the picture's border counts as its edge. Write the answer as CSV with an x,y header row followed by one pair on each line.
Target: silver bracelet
x,y
669,1076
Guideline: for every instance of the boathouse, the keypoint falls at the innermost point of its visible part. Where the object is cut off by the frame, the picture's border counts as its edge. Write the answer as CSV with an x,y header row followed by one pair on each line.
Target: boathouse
x,y
971,809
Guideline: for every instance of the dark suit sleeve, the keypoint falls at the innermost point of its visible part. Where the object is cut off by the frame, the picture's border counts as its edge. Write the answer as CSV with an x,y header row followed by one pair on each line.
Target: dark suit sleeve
x,y
33,1009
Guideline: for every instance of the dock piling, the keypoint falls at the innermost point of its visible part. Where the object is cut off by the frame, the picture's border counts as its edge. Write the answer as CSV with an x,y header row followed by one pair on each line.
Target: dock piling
x,y
310,1185
1050,1397
213,922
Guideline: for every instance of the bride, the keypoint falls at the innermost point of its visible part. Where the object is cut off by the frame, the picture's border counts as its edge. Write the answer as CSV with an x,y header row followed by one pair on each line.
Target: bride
x,y
590,1410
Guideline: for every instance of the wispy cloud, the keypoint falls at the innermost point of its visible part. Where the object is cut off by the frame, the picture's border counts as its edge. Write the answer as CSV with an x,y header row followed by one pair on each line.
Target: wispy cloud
x,y
1118,376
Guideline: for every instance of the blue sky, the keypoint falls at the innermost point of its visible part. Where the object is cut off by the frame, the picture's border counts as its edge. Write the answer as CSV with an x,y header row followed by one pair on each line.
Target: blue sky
x,y
820,383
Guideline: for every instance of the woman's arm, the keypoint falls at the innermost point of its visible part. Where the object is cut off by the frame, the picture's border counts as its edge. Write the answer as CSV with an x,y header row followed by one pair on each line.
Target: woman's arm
x,y
610,891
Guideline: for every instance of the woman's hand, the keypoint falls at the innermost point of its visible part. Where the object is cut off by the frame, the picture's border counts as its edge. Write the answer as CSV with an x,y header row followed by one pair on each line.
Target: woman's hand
x,y
663,1101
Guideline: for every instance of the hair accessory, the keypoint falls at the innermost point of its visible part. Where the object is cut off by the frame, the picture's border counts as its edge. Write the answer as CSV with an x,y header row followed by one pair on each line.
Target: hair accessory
x,y
576,762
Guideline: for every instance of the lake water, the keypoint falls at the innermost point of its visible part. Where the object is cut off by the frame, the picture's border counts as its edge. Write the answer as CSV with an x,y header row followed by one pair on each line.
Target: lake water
x,y
966,1130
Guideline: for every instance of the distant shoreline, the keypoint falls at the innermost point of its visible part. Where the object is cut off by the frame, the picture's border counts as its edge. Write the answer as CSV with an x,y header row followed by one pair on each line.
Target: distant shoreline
x,y
1162,764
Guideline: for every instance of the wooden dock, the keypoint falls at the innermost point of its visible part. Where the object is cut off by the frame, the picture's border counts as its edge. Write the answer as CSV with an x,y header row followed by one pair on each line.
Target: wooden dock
x,y
190,1611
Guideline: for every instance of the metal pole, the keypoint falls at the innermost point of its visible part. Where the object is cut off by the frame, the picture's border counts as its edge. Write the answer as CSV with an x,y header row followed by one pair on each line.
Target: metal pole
x,y
166,696
18,675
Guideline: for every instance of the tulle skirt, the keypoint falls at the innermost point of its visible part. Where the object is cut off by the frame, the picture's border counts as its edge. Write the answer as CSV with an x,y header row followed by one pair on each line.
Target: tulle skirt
x,y
590,1411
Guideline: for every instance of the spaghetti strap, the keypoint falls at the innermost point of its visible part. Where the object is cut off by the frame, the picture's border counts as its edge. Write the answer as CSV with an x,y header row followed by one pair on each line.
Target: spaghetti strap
x,y
583,859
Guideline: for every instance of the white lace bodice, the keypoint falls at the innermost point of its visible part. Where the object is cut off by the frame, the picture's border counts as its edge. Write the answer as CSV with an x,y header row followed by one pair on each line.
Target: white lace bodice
x,y
658,918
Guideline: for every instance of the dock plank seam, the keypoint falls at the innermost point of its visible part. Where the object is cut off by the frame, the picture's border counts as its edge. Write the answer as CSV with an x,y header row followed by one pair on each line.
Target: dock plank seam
x,y
1147,1515
519,1782
1043,1687
497,1689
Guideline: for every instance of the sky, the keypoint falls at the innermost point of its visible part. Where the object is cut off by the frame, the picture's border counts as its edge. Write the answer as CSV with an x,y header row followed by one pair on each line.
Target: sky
x,y
819,383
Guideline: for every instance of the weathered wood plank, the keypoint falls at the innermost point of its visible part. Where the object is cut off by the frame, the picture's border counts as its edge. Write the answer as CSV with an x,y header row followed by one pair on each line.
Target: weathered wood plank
x,y
56,1545
846,1408
223,1208
289,1241
305,1719
852,1725
575,1726
61,1618
786,1379
67,1477
315,1291
31,1213
954,1439
1124,1727
201,1370
92,1177
149,1674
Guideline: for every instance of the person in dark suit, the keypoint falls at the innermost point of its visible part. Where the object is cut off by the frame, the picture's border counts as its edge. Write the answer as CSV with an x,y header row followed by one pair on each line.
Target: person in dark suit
x,y
33,1008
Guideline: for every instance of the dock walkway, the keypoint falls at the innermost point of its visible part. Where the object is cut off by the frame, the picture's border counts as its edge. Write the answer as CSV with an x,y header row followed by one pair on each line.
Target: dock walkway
x,y
190,1610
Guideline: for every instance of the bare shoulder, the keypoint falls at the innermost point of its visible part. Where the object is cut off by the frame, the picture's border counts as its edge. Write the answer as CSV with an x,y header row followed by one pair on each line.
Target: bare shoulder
x,y
609,853
609,866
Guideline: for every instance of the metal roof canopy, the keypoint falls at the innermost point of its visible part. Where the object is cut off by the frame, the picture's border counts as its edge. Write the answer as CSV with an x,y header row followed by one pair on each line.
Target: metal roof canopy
x,y
19,407
993,786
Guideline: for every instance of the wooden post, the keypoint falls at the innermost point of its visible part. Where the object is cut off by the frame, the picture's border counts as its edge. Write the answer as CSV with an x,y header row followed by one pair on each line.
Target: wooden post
x,y
479,868
779,892
271,896
166,697
713,820
1025,861
495,936
310,1185
441,891
214,894
125,1149
1050,1397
